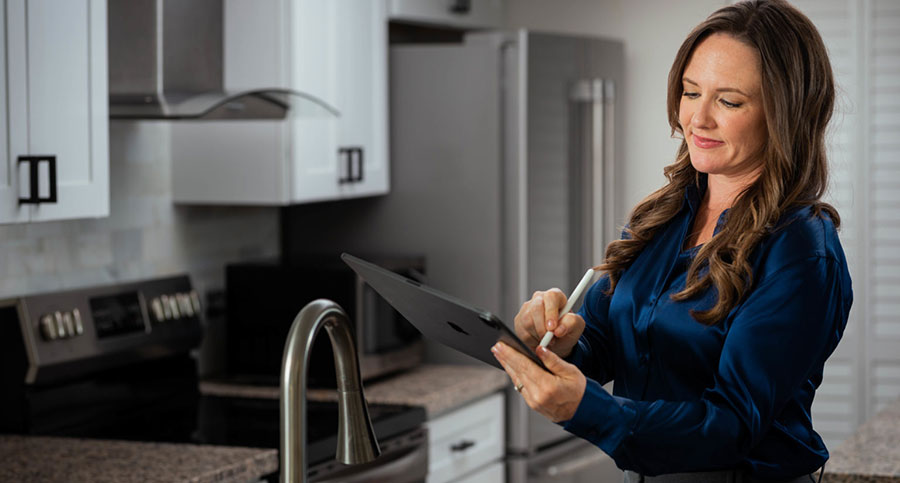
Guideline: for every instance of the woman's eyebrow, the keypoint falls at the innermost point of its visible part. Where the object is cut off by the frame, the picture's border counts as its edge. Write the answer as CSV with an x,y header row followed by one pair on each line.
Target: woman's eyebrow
x,y
721,89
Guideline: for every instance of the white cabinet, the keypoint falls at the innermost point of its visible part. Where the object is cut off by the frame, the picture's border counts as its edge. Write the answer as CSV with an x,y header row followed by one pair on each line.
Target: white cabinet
x,y
332,50
54,94
464,14
467,444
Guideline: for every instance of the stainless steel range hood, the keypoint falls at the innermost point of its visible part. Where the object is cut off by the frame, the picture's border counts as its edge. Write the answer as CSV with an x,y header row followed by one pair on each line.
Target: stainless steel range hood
x,y
166,62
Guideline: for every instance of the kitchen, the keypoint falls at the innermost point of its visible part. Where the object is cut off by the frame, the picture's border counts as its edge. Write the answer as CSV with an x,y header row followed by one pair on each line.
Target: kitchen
x,y
195,197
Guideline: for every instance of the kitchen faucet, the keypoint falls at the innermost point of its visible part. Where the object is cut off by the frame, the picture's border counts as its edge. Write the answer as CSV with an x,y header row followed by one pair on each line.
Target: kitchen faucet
x,y
356,438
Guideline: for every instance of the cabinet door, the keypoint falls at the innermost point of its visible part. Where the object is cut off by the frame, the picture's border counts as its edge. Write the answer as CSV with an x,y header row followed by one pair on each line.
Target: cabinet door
x,y
339,55
313,42
13,104
363,93
68,103
466,439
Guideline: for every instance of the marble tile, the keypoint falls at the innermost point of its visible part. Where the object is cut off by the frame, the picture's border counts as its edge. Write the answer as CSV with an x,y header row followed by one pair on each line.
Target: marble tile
x,y
127,245
93,250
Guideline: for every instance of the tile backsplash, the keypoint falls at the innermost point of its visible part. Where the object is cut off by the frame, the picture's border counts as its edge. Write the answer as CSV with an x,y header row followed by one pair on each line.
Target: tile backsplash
x,y
145,236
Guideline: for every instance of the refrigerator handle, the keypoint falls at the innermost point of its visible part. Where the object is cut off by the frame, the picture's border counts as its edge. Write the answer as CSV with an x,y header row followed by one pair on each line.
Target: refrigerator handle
x,y
603,153
608,232
598,154
595,98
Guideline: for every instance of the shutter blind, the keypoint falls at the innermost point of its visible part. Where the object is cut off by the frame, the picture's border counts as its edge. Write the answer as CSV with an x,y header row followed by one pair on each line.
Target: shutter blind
x,y
838,405
883,354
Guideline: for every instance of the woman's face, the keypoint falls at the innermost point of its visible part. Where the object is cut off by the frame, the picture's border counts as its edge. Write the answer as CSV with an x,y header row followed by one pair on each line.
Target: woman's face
x,y
721,111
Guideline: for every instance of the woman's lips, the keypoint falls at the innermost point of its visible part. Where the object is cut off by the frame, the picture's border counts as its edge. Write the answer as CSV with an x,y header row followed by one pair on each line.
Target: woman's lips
x,y
705,143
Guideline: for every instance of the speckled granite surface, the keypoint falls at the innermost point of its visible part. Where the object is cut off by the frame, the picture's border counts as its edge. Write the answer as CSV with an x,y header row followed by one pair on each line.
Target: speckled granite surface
x,y
872,454
70,460
438,388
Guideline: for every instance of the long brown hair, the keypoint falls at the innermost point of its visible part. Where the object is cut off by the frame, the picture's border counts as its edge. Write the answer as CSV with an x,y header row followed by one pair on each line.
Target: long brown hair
x,y
798,99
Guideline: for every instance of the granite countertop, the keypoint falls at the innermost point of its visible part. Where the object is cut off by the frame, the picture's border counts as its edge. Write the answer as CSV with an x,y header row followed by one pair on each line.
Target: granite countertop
x,y
438,388
872,454
71,460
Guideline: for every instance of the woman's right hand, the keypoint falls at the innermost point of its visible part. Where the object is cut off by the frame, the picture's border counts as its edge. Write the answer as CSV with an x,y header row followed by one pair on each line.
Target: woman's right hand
x,y
541,314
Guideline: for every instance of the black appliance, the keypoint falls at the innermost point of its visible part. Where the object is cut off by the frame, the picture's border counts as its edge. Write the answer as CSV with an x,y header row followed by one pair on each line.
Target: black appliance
x,y
264,297
114,363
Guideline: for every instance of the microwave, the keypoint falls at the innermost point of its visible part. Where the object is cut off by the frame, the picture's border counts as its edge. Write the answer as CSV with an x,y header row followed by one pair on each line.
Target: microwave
x,y
264,297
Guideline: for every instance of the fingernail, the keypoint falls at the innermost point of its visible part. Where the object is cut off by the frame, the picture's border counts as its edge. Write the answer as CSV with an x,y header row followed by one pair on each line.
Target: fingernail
x,y
496,348
550,324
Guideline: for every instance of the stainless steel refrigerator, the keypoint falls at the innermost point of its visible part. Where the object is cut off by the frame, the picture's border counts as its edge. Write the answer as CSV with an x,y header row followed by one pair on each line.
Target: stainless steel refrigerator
x,y
555,100
503,174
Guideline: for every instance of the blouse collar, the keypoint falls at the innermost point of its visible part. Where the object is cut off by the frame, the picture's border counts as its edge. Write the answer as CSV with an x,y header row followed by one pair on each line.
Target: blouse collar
x,y
693,195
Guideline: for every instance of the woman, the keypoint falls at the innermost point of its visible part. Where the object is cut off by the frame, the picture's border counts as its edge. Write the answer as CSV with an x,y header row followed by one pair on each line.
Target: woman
x,y
729,288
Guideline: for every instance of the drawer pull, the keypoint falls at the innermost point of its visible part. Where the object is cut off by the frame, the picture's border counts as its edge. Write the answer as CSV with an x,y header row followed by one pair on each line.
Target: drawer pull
x,y
462,445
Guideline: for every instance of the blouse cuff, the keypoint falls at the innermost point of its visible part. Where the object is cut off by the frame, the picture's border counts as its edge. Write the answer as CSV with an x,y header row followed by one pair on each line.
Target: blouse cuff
x,y
601,418
576,357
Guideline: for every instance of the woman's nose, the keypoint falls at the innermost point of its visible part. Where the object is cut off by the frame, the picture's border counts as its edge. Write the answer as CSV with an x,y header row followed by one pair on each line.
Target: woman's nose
x,y
702,117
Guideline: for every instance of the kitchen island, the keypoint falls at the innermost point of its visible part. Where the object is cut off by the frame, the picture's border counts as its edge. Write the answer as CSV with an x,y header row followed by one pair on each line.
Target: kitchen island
x,y
72,460
872,454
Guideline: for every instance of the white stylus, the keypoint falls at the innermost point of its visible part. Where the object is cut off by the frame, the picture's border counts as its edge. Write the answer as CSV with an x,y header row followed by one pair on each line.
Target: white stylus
x,y
583,284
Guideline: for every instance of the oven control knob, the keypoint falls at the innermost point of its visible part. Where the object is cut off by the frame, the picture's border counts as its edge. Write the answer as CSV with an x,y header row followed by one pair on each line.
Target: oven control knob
x,y
167,309
195,301
68,324
79,326
48,327
173,305
157,307
184,304
60,325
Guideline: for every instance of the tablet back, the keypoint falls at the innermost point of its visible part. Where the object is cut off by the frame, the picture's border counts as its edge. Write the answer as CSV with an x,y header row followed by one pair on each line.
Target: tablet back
x,y
439,316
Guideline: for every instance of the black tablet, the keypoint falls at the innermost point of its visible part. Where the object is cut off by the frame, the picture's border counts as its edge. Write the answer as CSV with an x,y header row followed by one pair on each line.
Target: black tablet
x,y
439,316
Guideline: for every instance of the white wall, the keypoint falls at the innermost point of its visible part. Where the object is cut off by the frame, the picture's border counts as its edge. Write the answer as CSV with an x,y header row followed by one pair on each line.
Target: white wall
x,y
652,31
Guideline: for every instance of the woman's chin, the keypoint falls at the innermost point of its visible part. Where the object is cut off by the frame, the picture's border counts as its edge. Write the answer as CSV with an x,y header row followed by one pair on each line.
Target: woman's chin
x,y
703,164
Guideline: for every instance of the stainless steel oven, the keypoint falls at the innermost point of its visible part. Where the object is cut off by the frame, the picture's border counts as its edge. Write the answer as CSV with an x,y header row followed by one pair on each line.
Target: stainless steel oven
x,y
115,362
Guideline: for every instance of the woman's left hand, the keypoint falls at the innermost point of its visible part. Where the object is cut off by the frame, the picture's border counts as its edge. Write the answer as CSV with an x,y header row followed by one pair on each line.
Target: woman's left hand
x,y
555,395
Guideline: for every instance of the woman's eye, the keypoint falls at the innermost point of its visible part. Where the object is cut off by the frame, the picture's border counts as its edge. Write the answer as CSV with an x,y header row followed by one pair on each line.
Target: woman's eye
x,y
691,95
730,104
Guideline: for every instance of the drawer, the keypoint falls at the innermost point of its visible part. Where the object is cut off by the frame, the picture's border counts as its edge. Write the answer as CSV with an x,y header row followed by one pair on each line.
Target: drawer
x,y
493,473
466,439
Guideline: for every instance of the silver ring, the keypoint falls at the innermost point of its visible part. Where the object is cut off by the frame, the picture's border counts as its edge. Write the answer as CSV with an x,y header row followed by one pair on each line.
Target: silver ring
x,y
519,387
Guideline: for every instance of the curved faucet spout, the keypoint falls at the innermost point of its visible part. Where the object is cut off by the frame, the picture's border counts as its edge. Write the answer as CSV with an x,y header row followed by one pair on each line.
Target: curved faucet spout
x,y
356,438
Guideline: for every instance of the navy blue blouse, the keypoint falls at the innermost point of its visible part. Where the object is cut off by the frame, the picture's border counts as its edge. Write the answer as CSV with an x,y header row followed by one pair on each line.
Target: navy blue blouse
x,y
689,397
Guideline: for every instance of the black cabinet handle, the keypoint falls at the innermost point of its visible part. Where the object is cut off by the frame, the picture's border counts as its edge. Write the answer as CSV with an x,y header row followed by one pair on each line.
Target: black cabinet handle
x,y
359,158
352,156
460,6
33,163
344,156
462,445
